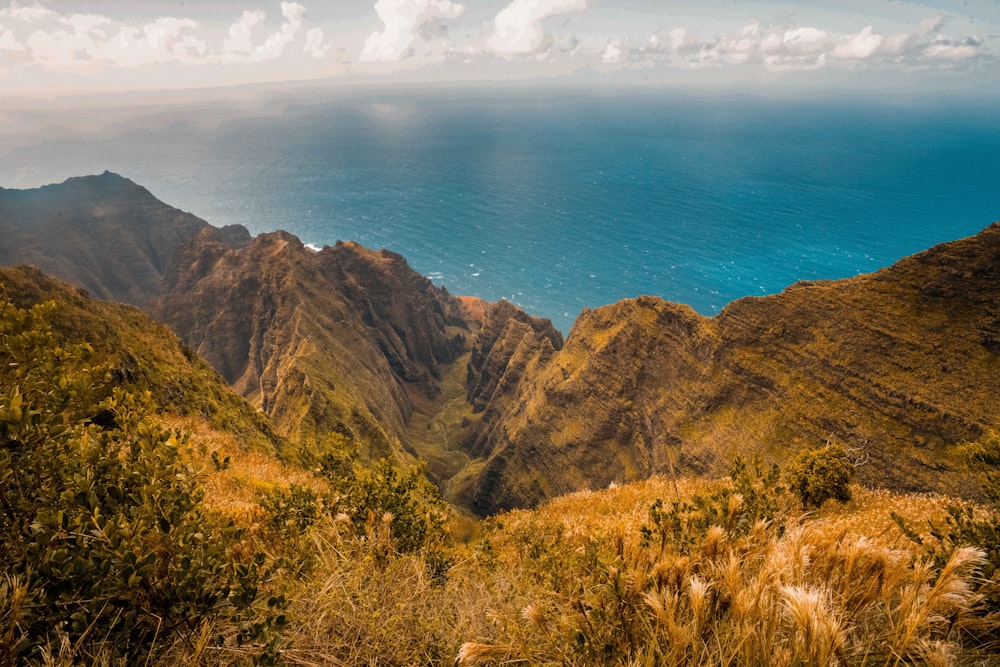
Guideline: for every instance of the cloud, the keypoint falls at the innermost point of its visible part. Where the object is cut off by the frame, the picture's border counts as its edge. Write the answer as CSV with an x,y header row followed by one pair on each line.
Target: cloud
x,y
613,52
27,14
517,29
69,41
8,42
801,48
241,32
170,39
403,21
949,50
316,44
860,46
274,46
922,46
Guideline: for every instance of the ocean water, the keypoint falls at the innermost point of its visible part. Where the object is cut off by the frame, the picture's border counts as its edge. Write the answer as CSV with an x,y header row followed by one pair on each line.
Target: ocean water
x,y
563,201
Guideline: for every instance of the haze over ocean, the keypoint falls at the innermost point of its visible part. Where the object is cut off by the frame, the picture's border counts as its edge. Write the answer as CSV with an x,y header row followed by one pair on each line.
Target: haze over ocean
x,y
563,201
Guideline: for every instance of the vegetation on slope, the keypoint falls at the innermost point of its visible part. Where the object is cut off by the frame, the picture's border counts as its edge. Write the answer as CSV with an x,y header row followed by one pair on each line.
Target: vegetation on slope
x,y
117,555
723,573
344,339
109,554
898,367
127,541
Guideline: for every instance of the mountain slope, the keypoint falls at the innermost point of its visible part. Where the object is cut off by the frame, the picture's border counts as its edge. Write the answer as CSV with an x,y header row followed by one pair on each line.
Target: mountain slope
x,y
898,366
344,339
141,356
103,233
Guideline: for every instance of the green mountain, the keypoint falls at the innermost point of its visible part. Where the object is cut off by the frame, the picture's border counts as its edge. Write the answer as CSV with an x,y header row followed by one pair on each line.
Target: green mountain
x,y
898,367
207,495
139,355
103,233
345,339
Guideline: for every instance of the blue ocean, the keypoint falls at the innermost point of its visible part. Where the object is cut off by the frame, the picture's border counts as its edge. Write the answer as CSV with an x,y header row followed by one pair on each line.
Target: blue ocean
x,y
566,200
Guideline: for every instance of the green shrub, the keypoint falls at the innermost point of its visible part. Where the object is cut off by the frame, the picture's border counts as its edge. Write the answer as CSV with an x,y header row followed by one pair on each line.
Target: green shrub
x,y
106,545
820,474
294,510
753,496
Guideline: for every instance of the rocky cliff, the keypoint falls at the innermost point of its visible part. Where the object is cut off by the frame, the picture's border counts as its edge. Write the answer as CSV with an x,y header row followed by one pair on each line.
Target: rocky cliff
x,y
898,366
345,339
510,346
103,233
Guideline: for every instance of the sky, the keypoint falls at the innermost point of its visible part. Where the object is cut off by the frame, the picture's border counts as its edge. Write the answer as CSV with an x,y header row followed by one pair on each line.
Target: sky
x,y
59,47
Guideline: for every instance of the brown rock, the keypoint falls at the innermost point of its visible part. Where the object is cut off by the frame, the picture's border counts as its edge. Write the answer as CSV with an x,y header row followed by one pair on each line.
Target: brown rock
x,y
342,339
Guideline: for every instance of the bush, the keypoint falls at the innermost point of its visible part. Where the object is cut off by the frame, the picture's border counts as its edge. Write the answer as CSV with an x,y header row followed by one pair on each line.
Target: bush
x,y
106,545
820,474
753,496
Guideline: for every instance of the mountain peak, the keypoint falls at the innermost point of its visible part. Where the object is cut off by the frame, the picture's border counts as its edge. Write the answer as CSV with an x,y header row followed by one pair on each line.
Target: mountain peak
x,y
104,233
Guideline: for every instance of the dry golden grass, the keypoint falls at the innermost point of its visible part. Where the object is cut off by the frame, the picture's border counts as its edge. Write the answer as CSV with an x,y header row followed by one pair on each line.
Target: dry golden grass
x,y
839,587
597,514
574,583
233,491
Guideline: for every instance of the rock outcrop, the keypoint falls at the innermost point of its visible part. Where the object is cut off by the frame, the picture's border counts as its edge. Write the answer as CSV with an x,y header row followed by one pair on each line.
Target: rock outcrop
x,y
898,366
509,346
345,339
103,233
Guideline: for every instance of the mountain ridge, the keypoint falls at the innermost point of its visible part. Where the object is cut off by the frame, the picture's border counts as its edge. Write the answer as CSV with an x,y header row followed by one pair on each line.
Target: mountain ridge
x,y
342,339
130,236
896,366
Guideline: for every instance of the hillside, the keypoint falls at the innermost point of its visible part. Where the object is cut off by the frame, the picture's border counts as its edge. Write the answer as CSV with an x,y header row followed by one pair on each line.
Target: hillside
x,y
103,233
149,514
344,339
898,366
141,356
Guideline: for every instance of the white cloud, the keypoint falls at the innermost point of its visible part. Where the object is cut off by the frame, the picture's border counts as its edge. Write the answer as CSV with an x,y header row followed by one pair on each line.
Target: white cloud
x,y
518,30
944,49
241,32
316,44
73,42
801,48
8,41
60,48
860,46
27,14
402,23
274,46
804,40
613,53
900,43
169,37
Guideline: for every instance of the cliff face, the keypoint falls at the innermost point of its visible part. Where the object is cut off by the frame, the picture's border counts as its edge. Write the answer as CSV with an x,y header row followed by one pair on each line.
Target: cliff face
x,y
103,233
344,339
509,346
898,366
